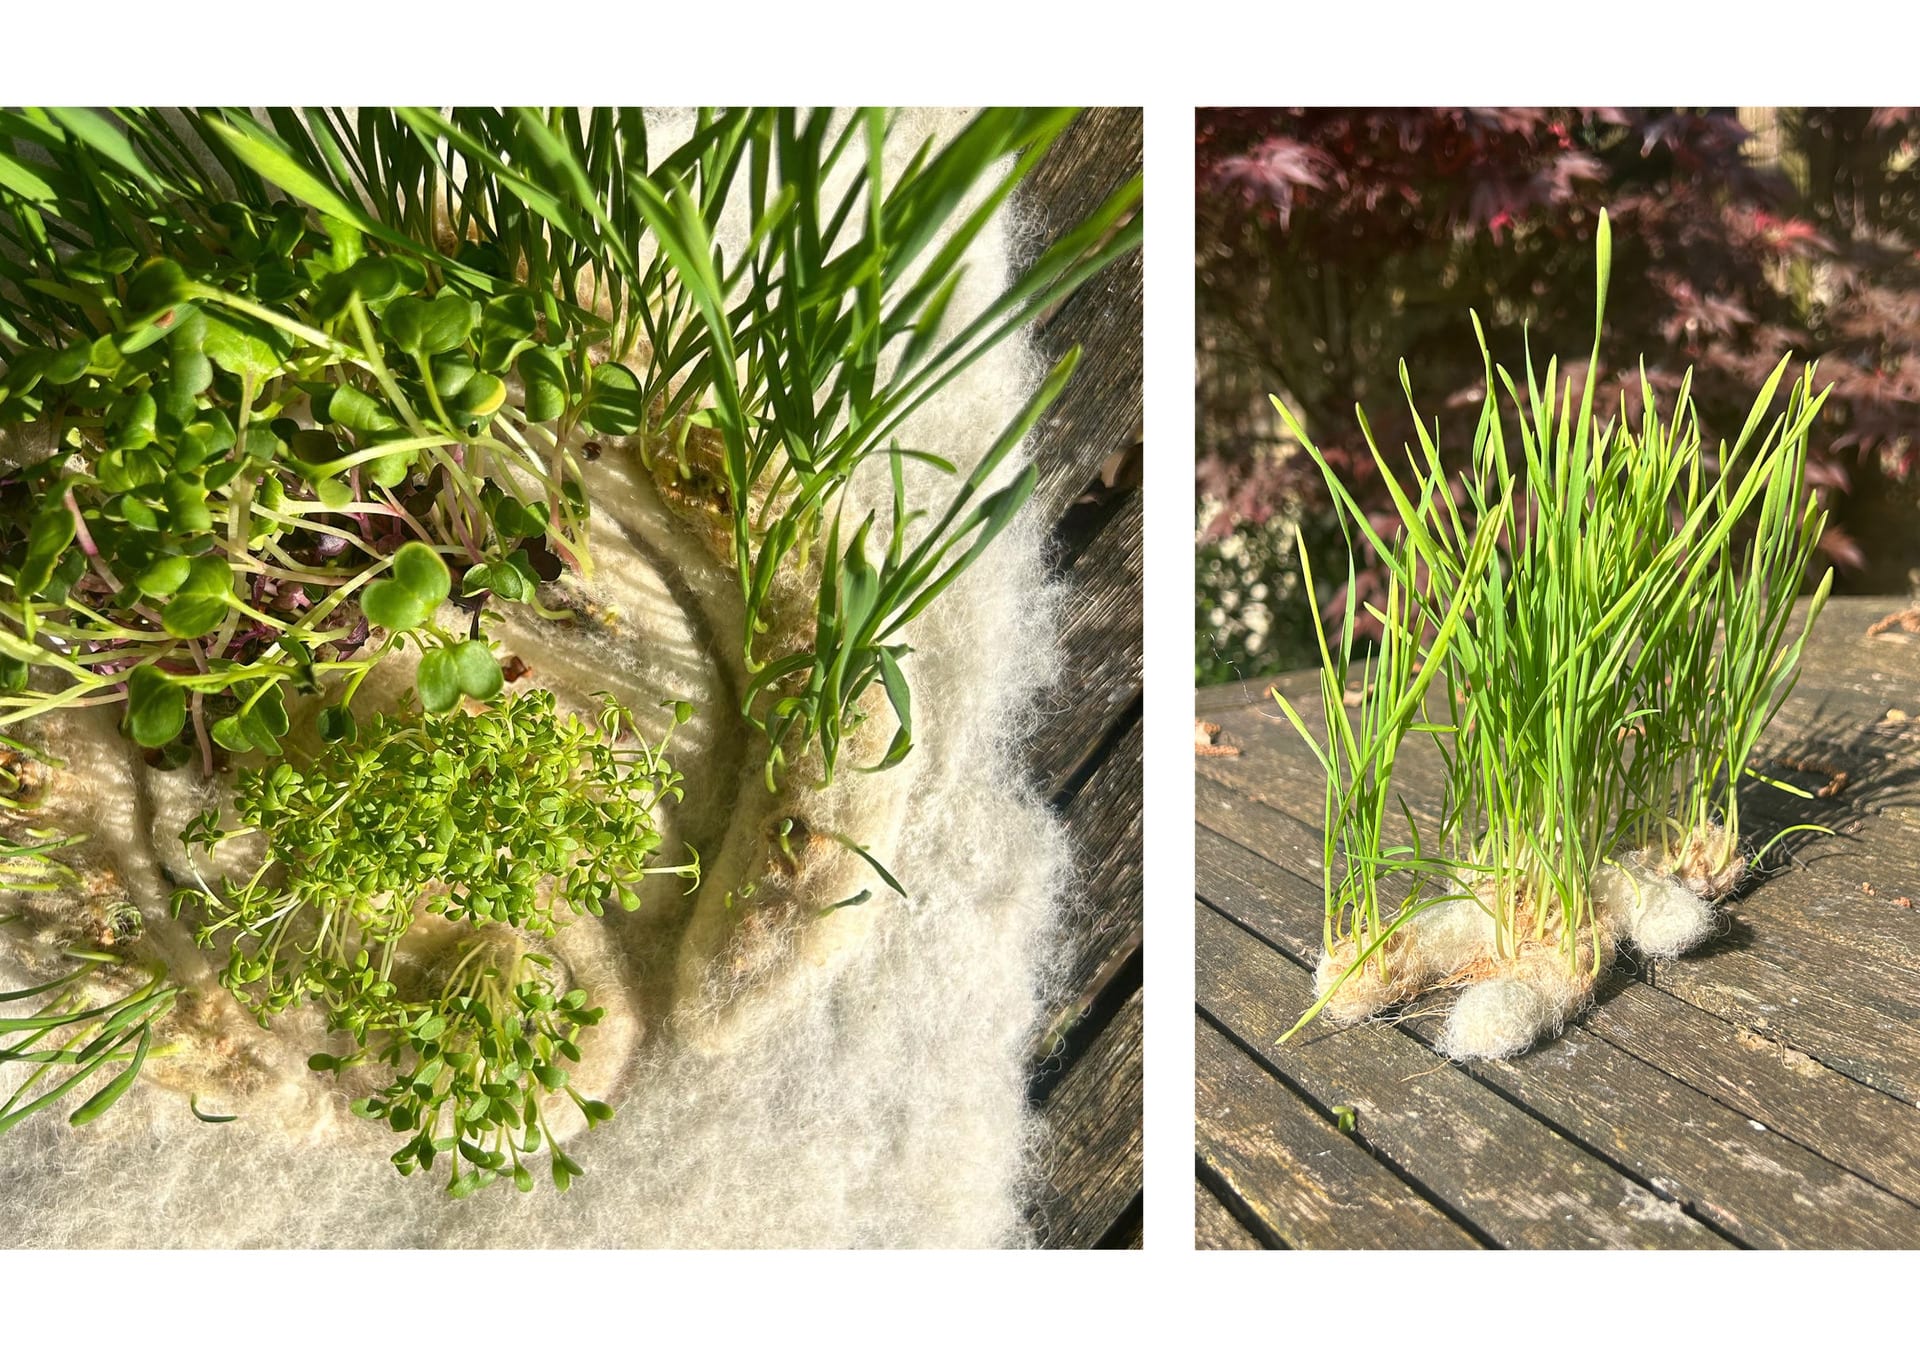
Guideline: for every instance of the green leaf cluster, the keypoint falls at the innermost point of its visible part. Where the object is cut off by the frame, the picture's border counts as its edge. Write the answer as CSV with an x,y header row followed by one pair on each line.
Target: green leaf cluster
x,y
1593,628
248,411
472,1069
507,821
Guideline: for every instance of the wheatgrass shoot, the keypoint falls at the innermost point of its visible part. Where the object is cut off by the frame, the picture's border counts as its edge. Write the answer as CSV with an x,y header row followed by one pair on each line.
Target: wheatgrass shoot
x,y
1594,633
70,1038
99,1009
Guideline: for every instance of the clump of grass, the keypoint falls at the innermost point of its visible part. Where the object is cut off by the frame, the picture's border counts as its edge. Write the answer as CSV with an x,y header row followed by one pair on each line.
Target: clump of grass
x,y
78,1038
1593,631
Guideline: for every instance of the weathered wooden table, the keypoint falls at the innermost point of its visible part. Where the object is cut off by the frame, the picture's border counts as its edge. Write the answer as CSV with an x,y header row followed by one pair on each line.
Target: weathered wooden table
x,y
1086,1074
1760,1092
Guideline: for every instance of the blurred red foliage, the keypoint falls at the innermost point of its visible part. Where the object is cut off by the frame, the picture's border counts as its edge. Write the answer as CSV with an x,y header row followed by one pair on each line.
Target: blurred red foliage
x,y
1334,243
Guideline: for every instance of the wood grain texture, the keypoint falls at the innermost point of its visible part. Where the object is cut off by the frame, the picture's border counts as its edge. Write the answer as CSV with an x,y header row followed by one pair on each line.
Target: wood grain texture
x,y
1098,414
1085,754
1520,1182
1765,1083
1104,822
1094,1129
1309,1186
1101,644
1762,1077
1214,1226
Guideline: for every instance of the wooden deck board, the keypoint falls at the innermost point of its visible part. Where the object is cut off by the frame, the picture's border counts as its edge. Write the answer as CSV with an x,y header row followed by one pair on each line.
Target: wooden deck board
x,y
1520,1182
1214,1225
1100,633
1103,820
1085,752
1099,414
1766,1083
1309,1185
1094,1116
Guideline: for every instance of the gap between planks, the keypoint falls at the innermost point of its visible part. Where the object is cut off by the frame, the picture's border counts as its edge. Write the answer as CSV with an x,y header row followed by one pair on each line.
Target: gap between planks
x,y
1657,1160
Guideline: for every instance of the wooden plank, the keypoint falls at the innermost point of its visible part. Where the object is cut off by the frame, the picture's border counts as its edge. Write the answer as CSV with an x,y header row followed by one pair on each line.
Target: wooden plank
x,y
1282,904
1101,149
1811,1013
1273,901
1743,1046
1769,925
1841,656
1099,413
1787,913
1811,920
1093,1110
1104,822
1741,1174
1093,1131
1214,1226
1519,1182
1824,901
1308,1185
1606,1095
1861,1129
1101,642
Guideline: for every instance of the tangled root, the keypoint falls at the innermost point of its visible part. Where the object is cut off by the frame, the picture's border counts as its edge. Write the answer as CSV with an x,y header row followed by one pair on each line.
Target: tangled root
x,y
1415,957
1512,997
1707,862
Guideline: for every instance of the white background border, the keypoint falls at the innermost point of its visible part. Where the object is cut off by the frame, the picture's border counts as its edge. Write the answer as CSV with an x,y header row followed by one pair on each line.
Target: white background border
x,y
1169,58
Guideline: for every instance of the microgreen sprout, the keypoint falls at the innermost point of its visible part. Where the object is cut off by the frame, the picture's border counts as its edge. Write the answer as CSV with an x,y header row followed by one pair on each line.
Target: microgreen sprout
x,y
250,438
1593,630
472,1064
508,821
788,340
100,1010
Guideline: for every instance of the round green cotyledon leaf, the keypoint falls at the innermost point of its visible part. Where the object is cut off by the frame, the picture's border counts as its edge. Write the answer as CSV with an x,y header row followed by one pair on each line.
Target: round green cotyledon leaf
x,y
546,385
266,721
337,723
390,468
192,615
478,672
156,707
244,346
481,396
407,597
48,538
423,327
387,603
227,734
419,568
202,600
354,409
438,681
160,286
613,400
507,326
164,576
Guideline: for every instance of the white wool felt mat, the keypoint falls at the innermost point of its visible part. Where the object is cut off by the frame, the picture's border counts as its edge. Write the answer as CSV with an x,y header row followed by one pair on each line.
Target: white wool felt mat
x,y
861,1083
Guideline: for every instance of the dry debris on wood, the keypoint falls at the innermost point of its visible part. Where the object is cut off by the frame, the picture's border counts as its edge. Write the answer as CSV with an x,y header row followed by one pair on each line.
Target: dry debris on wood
x,y
1207,745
